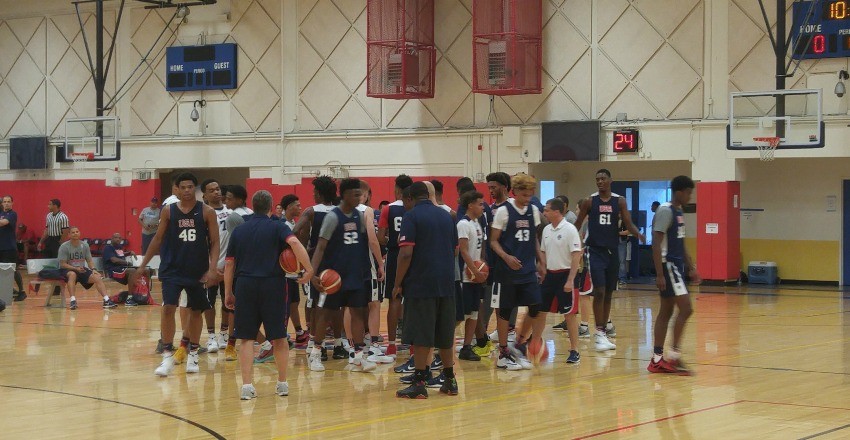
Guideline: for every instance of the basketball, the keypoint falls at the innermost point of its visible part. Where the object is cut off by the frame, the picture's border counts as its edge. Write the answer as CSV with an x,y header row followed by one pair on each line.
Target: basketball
x,y
537,350
289,263
482,267
330,281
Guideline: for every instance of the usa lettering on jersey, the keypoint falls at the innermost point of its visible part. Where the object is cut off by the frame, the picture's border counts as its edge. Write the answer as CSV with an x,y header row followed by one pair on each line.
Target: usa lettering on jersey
x,y
348,227
522,224
606,208
186,223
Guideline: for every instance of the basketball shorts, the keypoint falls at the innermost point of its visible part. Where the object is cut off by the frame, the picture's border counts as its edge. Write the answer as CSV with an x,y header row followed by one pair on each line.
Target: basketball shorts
x,y
215,291
506,294
674,276
121,276
376,290
196,295
459,315
472,295
429,322
345,298
10,256
389,272
293,289
604,268
260,301
83,278
555,300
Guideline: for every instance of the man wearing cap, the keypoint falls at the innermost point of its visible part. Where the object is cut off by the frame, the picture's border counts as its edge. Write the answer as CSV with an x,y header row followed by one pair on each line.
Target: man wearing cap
x,y
149,219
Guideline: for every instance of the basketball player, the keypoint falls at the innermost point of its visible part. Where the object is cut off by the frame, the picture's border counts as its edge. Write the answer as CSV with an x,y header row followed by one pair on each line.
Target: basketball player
x,y
561,248
188,235
291,210
604,210
671,260
389,226
471,243
344,247
428,239
212,193
499,185
513,238
234,202
376,280
252,258
307,229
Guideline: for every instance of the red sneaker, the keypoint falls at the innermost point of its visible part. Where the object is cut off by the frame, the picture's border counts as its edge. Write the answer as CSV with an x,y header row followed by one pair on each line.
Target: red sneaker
x,y
681,368
661,366
302,340
391,350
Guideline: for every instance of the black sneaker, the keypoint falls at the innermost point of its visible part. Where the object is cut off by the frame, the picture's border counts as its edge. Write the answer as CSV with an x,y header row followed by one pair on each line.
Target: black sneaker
x,y
449,387
73,305
21,296
108,304
410,378
466,354
130,303
405,368
574,357
437,363
562,327
416,390
340,352
436,381
324,354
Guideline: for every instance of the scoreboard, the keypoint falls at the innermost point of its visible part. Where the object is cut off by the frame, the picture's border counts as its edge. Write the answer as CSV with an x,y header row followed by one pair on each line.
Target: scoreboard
x,y
209,67
821,29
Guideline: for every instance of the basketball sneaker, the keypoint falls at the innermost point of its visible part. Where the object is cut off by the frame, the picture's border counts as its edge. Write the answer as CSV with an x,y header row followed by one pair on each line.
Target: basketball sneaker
x,y
574,357
302,340
416,390
315,361
560,327
507,362
583,331
159,348
73,305
410,378
324,354
483,351
108,304
603,344
406,367
222,339
449,387
248,392
361,361
164,369
180,355
340,352
392,351
192,363
610,330
230,353
436,381
681,368
662,366
130,303
266,354
282,388
212,344
376,355
467,354
437,363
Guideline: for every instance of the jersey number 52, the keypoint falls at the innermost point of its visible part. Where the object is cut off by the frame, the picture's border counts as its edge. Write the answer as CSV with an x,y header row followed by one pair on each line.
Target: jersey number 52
x,y
349,238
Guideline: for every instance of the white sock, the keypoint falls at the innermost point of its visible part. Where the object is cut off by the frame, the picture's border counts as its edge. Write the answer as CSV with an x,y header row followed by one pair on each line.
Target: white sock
x,y
248,385
317,350
266,345
656,358
106,297
73,298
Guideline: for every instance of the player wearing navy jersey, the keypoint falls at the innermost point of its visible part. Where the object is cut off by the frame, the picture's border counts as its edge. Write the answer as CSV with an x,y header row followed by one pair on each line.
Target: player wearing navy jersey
x,y
188,236
513,238
672,264
344,247
291,206
307,230
389,226
252,259
603,211
499,185
425,277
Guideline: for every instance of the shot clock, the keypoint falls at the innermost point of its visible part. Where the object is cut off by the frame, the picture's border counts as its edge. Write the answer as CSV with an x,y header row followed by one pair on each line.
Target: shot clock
x,y
821,29
626,141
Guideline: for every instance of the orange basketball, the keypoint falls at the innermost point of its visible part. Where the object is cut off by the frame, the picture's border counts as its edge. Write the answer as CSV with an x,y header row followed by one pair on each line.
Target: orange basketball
x,y
482,267
289,263
330,281
537,350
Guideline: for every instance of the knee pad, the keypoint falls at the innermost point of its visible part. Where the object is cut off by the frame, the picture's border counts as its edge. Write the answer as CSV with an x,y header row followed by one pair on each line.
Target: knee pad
x,y
533,310
505,313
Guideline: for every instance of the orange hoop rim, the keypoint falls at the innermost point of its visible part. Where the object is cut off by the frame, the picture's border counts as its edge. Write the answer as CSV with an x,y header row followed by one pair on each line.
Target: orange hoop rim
x,y
773,141
81,156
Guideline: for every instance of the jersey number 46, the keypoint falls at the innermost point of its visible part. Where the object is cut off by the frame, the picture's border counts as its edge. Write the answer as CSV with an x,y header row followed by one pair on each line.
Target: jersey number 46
x,y
187,235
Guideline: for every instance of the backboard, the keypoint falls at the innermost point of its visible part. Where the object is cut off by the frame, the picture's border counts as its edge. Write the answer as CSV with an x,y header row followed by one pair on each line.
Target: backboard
x,y
755,115
97,136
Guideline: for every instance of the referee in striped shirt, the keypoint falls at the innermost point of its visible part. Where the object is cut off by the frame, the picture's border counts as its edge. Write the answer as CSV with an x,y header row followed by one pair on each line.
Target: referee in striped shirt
x,y
55,231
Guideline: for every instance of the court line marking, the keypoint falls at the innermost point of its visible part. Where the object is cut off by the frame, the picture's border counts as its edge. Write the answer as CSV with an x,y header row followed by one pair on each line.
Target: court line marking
x,y
828,431
173,416
798,405
635,425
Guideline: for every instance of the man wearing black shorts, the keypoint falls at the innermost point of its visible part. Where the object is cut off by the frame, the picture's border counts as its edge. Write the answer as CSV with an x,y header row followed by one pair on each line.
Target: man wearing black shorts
x,y
8,245
78,267
188,236
252,258
425,276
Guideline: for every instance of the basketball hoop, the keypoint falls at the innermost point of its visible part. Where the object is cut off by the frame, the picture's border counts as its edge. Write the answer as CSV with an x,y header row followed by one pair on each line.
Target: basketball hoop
x,y
80,160
767,147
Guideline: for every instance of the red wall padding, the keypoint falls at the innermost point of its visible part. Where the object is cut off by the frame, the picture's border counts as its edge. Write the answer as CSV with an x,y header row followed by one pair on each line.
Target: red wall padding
x,y
718,254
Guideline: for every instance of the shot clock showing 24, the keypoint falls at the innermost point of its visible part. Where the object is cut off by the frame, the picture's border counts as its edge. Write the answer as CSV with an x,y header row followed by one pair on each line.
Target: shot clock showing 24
x,y
821,29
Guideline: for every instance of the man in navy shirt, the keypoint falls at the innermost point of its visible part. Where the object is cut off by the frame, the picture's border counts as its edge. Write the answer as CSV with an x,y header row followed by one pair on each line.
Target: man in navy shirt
x,y
425,276
8,244
672,263
252,258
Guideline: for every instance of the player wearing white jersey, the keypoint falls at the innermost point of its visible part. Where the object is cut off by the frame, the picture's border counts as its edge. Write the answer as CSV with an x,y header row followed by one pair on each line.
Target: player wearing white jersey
x,y
213,197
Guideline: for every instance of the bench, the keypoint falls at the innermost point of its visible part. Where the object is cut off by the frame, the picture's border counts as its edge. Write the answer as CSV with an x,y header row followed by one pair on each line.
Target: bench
x,y
34,266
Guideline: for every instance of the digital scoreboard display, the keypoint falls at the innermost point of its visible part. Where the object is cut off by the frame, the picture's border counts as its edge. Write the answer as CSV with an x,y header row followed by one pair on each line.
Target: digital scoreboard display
x,y
626,141
821,29
209,67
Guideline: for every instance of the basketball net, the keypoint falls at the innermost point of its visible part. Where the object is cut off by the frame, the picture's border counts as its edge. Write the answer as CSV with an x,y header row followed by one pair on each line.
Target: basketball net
x,y
767,147
80,160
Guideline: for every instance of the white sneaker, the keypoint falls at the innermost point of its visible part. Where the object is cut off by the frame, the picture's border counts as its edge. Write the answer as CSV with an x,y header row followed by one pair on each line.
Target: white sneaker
x,y
192,363
282,389
524,363
222,340
362,362
494,336
164,369
512,336
603,344
248,392
507,362
376,355
315,361
212,345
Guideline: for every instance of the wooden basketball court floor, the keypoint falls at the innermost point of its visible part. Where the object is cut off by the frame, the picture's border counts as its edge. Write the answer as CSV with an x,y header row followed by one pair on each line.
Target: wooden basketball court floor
x,y
770,363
